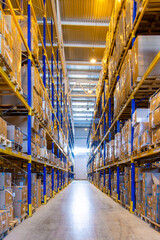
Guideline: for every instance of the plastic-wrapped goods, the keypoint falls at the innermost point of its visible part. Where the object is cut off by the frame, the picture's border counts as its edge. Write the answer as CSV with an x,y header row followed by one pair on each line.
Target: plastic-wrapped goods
x,y
136,143
146,138
5,54
5,180
140,128
156,203
154,118
111,156
144,51
107,152
4,225
118,143
3,128
156,135
16,50
140,115
34,35
129,17
154,101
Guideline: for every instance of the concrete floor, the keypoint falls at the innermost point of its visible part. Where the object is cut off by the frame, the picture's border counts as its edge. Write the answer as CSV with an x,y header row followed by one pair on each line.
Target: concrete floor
x,y
82,212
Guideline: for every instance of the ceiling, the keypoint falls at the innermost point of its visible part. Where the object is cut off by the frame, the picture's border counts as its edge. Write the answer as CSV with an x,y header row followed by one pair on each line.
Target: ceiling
x,y
84,27
79,32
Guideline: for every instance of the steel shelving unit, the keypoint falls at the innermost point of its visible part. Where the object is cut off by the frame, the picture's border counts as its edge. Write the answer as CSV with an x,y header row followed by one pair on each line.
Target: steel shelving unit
x,y
56,96
111,125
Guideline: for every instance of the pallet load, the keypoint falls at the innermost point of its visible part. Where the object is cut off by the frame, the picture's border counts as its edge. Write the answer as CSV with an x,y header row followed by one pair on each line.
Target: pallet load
x,y
127,185
16,51
38,193
140,122
15,135
34,189
6,43
6,201
49,185
126,139
19,201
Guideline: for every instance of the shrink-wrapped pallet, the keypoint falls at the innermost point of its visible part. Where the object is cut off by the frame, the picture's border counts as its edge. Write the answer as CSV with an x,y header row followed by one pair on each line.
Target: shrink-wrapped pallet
x,y
144,51
140,115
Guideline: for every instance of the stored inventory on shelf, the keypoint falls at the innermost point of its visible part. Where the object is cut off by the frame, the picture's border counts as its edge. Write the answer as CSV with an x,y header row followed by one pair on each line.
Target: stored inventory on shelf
x,y
36,135
124,135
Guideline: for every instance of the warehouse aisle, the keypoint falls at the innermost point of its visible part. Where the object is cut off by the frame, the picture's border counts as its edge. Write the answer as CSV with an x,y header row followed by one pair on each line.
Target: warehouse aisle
x,y
82,212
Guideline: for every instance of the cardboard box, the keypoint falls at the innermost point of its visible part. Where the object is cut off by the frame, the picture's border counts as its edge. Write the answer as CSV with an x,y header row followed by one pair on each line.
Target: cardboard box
x,y
5,180
140,115
6,199
3,128
144,51
10,214
3,221
19,209
19,193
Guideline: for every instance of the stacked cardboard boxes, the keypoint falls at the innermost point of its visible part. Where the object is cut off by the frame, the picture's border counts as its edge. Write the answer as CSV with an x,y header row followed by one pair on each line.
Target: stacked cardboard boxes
x,y
6,201
49,185
19,201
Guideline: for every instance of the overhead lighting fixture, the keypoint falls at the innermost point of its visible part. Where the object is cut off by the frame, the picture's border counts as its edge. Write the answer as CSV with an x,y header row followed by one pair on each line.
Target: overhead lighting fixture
x,y
85,129
89,91
93,60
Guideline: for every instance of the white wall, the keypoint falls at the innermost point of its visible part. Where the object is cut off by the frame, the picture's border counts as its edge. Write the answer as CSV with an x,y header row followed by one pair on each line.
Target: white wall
x,y
80,161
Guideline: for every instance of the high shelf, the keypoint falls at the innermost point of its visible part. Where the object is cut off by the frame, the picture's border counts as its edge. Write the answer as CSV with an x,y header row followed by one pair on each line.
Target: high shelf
x,y
35,100
117,105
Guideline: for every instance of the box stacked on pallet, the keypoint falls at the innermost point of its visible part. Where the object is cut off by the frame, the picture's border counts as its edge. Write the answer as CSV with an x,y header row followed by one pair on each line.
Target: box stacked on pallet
x,y
155,203
3,128
49,185
34,35
16,51
114,188
139,188
121,188
111,152
34,189
154,121
127,187
126,139
142,57
6,44
140,123
19,201
4,224
15,135
38,193
6,201
107,182
6,198
118,144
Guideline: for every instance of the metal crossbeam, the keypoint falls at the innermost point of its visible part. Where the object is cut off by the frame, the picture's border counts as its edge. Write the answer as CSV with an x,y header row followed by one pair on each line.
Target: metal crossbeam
x,y
76,45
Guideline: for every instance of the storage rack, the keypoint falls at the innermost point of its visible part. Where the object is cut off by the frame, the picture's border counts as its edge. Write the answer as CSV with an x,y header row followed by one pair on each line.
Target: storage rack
x,y
55,91
111,125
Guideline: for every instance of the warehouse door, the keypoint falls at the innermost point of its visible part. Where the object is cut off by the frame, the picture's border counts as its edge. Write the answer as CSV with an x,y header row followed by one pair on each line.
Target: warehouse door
x,y
80,153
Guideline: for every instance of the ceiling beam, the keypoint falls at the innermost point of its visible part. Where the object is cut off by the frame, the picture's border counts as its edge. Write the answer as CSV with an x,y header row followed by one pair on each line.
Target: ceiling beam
x,y
82,95
82,23
87,63
77,23
76,45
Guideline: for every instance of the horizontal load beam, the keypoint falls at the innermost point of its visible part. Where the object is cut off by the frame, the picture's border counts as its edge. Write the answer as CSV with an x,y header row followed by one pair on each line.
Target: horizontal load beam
x,y
76,45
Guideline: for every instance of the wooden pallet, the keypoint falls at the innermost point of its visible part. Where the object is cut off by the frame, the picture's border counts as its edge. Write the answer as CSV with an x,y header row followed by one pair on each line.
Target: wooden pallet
x,y
155,145
5,142
153,224
135,152
4,234
13,224
145,148
17,147
23,217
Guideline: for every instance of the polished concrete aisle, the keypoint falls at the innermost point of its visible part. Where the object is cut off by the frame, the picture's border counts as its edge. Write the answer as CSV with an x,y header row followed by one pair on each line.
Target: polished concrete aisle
x,y
82,212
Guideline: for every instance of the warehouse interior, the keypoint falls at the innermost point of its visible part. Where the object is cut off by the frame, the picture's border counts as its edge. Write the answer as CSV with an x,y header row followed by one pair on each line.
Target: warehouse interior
x,y
79,119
